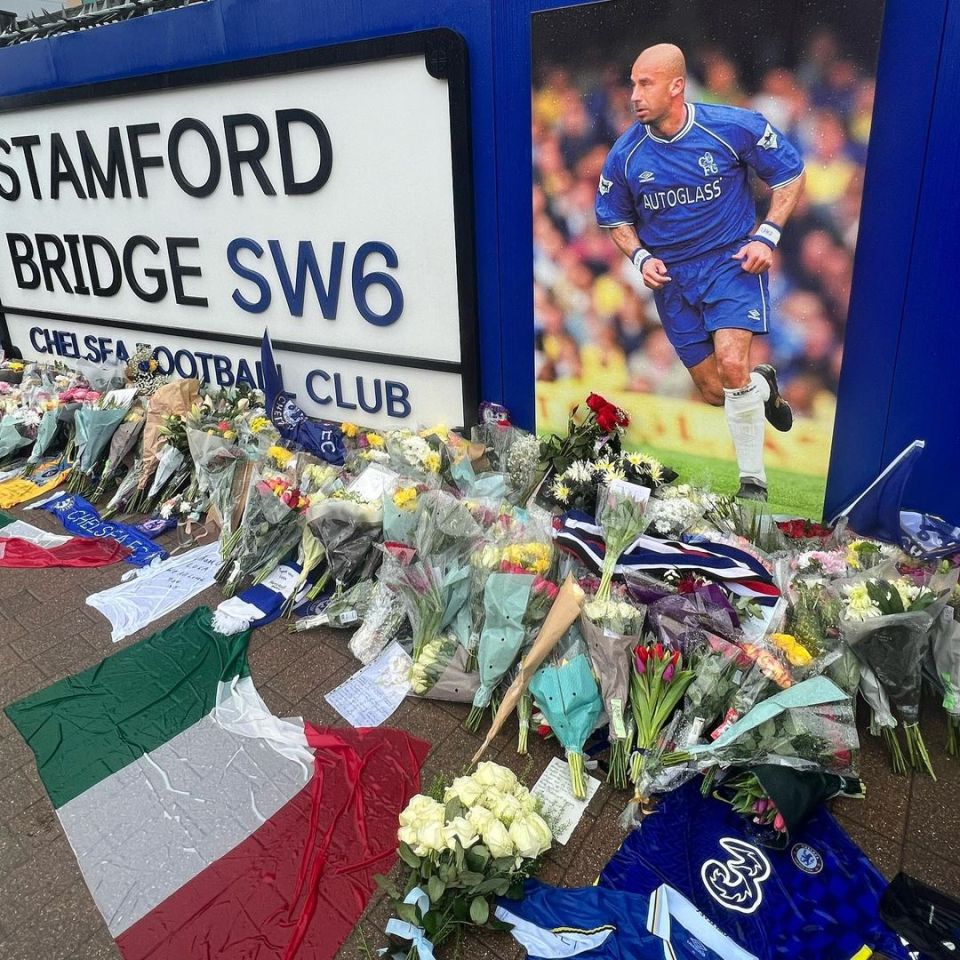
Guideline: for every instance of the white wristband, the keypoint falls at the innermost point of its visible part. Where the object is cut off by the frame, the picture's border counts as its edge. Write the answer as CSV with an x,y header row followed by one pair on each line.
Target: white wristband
x,y
640,257
768,232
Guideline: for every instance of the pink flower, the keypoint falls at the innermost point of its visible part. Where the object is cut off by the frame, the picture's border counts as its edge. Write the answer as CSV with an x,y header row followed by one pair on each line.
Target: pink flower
x,y
668,673
779,823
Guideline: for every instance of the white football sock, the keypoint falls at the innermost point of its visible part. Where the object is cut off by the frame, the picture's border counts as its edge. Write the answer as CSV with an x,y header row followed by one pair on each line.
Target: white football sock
x,y
761,384
745,417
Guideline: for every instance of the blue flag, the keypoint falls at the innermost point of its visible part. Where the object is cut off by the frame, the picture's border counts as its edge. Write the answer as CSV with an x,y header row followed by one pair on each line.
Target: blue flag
x,y
878,512
319,437
81,518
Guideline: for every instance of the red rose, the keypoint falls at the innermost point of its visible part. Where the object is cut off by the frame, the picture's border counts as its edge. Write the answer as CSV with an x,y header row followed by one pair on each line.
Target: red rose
x,y
607,418
623,418
596,403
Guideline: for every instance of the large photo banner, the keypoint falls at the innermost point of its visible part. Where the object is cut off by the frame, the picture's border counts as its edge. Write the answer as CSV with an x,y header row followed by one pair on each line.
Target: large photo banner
x,y
698,177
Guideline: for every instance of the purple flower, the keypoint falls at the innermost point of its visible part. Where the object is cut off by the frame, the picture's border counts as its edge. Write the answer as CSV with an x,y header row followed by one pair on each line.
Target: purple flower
x,y
668,673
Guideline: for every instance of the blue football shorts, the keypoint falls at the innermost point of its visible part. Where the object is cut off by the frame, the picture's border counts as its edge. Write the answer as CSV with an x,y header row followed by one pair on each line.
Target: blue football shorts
x,y
710,293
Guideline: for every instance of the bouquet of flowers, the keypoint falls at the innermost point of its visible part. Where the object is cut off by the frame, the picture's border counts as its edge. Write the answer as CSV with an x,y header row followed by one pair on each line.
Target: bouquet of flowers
x,y
599,432
567,695
122,444
94,426
464,845
564,610
886,624
505,599
611,630
658,682
271,527
672,510
809,726
778,800
945,656
620,513
400,512
577,486
342,529
446,530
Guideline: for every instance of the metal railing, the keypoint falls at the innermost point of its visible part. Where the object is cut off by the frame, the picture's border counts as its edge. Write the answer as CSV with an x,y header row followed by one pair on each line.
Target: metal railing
x,y
100,13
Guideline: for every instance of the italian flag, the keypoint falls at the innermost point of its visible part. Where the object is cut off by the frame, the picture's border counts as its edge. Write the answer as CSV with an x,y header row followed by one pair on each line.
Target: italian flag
x,y
24,545
205,826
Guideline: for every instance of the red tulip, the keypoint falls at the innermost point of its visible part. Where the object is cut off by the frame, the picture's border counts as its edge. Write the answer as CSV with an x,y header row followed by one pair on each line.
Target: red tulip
x,y
658,650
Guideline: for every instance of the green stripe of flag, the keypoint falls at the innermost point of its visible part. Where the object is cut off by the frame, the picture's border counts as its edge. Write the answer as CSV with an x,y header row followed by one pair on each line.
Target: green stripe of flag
x,y
5,519
88,726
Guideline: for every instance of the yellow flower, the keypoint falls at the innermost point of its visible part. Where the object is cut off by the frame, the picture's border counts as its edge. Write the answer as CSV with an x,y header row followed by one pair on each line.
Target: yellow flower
x,y
853,558
375,440
432,461
438,431
230,435
259,424
350,430
406,498
280,456
794,651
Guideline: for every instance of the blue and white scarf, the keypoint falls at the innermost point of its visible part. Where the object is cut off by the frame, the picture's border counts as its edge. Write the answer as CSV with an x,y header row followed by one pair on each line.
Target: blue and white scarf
x,y
735,569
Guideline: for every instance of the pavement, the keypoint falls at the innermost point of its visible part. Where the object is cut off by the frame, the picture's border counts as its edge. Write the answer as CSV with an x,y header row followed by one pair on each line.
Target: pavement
x,y
47,632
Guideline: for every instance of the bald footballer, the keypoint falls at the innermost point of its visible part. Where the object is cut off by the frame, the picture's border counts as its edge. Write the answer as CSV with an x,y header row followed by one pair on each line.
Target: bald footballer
x,y
675,196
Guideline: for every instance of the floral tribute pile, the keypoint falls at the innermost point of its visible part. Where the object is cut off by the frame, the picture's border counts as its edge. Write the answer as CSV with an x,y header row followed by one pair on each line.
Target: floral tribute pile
x,y
655,630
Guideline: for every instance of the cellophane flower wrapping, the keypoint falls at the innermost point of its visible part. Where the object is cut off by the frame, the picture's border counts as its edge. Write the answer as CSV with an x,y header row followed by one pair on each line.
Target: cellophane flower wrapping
x,y
401,512
13,436
215,458
506,596
383,620
446,530
567,695
95,427
621,515
945,659
611,630
681,621
810,726
46,432
447,677
271,528
347,529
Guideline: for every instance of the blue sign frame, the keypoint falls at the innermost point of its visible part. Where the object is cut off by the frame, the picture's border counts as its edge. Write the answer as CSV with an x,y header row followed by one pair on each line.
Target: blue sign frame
x,y
897,382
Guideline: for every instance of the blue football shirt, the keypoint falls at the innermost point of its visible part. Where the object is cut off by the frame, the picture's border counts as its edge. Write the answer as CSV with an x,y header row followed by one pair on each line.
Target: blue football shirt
x,y
689,195
817,900
594,923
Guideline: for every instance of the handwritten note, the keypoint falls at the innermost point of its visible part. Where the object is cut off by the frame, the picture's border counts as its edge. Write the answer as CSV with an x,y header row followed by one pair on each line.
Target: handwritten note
x,y
560,807
372,694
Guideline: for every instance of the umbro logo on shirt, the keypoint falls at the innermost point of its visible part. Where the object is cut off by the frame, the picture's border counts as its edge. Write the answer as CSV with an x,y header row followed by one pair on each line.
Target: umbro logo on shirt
x,y
646,176
753,314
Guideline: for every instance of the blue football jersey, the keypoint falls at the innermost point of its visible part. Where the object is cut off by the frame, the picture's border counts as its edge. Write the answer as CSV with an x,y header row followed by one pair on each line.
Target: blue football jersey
x,y
600,924
818,900
689,195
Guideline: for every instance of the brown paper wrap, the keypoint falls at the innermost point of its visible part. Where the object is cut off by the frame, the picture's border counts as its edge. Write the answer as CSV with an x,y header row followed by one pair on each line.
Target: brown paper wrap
x,y
178,396
564,611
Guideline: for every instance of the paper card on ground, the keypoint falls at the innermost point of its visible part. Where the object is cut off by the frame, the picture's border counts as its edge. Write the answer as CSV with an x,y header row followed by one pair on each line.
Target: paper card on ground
x,y
374,482
561,808
372,694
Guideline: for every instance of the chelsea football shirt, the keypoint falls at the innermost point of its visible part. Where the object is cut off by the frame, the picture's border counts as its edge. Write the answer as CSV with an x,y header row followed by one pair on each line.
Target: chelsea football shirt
x,y
689,195
819,898
552,923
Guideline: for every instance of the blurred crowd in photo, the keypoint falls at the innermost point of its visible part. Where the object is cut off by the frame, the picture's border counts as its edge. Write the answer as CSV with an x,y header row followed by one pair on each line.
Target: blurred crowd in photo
x,y
595,320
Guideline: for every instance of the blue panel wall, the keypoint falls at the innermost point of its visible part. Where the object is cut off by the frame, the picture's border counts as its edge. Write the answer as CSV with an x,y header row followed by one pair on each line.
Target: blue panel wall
x,y
901,148
925,401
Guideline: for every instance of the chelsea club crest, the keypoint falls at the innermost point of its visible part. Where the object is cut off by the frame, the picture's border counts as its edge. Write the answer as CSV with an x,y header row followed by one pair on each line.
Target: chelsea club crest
x,y
806,858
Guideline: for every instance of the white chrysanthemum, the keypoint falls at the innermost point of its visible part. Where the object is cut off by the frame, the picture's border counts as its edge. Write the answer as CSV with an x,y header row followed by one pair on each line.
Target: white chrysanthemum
x,y
560,491
580,471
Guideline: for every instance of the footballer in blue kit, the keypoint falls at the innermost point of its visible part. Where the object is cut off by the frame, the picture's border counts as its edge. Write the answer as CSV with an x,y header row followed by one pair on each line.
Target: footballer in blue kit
x,y
675,196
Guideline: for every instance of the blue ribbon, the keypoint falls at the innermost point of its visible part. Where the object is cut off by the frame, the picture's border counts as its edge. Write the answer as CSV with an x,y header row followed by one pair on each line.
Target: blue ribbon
x,y
408,931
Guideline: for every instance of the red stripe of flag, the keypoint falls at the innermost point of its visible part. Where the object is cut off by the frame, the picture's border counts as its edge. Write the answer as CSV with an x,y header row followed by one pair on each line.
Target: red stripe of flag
x,y
297,886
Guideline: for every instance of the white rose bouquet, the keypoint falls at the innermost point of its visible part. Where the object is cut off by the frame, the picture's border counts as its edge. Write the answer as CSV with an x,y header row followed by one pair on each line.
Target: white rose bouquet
x,y
479,838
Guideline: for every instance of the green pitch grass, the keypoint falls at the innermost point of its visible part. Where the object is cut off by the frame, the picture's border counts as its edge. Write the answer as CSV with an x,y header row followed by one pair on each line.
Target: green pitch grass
x,y
793,494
